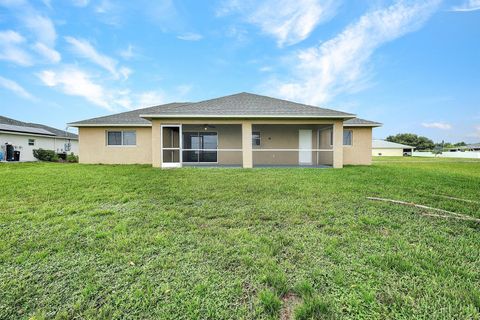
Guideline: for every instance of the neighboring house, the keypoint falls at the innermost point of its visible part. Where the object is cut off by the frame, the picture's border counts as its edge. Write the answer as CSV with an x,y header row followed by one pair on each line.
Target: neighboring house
x,y
468,147
390,149
238,130
473,147
18,140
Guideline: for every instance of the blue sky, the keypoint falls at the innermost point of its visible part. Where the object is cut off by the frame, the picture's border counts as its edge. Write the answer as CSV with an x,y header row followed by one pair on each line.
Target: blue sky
x,y
412,65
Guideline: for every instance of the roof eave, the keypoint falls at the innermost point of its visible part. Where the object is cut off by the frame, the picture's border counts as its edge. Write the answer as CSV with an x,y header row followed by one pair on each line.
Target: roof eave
x,y
363,125
37,135
196,116
407,147
78,125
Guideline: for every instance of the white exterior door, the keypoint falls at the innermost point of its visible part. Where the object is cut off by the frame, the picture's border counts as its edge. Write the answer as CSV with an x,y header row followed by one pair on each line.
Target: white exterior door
x,y
305,142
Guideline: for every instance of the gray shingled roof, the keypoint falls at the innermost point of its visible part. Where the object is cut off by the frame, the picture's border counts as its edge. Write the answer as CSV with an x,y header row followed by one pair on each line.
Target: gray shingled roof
x,y
129,117
8,124
383,144
24,129
357,122
237,105
249,105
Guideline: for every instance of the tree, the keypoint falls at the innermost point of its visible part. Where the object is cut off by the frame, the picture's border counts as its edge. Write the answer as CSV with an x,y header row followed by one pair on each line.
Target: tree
x,y
411,139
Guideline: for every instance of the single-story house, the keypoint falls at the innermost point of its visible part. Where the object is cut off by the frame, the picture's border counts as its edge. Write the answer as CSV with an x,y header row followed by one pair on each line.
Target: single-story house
x,y
243,129
18,139
473,147
468,147
390,149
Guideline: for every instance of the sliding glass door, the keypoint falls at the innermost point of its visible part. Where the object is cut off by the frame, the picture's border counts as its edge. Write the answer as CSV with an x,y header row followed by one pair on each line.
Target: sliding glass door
x,y
200,146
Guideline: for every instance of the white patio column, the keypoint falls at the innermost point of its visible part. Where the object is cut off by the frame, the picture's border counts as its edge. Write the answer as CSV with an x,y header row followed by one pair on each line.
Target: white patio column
x,y
247,145
338,144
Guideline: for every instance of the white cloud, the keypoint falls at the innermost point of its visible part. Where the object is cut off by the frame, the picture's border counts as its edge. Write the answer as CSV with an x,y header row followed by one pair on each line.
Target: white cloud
x,y
125,72
288,21
338,65
437,125
128,53
11,50
41,26
470,5
51,55
75,82
84,49
151,98
15,88
190,36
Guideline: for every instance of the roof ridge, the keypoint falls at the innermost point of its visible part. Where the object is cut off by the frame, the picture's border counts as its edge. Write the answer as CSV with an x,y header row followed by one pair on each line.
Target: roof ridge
x,y
195,104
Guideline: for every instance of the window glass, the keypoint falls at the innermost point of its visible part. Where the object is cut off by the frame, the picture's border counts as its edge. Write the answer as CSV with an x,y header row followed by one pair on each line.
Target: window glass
x,y
31,142
331,137
347,137
114,138
199,141
209,140
256,138
129,138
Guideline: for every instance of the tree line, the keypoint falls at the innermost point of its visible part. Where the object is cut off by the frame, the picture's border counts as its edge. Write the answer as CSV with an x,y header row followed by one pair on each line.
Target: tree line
x,y
421,142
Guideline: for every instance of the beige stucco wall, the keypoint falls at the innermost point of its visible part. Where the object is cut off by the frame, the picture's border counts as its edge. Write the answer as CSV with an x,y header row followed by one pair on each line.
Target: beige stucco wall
x,y
360,153
275,134
387,152
93,146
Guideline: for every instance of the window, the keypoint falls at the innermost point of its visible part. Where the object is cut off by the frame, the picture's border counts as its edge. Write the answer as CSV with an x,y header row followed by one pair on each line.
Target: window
x,y
129,138
31,142
68,145
347,137
256,138
121,138
200,146
331,137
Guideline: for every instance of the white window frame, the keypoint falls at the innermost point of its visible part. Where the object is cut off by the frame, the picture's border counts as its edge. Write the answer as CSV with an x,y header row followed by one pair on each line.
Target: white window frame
x,y
121,145
33,142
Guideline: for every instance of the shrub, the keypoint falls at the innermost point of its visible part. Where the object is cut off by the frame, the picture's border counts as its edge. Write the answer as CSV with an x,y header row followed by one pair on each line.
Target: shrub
x,y
45,155
72,158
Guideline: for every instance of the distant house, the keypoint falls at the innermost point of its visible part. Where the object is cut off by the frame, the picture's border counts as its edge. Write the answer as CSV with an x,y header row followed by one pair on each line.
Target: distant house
x,y
18,140
243,129
468,147
385,148
473,147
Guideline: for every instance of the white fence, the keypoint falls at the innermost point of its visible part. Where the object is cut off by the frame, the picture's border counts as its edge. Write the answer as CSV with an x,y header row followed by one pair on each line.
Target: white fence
x,y
459,154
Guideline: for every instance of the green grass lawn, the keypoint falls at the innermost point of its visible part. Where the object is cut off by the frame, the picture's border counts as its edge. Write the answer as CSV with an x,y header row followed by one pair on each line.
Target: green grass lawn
x,y
93,241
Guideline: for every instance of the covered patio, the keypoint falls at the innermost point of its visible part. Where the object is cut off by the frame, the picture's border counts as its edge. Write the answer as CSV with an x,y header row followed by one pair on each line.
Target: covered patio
x,y
254,143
